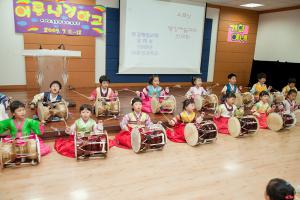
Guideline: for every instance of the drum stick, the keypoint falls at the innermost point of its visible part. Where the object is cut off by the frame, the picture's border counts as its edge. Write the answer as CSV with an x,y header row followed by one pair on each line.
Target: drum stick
x,y
166,117
126,89
111,118
73,90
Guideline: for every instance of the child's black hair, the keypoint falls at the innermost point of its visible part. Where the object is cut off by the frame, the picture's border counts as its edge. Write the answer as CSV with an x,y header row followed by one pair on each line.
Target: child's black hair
x,y
231,75
292,80
194,79
136,99
279,189
261,75
104,78
264,93
56,82
230,95
186,103
292,91
86,106
15,105
151,78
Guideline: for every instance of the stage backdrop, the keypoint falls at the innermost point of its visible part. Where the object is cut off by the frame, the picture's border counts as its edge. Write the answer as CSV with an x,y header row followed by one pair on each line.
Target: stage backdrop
x,y
112,53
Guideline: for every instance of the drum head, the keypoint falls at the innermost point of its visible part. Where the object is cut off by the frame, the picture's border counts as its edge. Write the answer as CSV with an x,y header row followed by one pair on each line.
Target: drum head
x,y
297,116
43,112
248,98
32,149
298,98
239,100
173,100
136,140
234,127
198,102
38,149
97,105
274,121
191,134
278,97
154,105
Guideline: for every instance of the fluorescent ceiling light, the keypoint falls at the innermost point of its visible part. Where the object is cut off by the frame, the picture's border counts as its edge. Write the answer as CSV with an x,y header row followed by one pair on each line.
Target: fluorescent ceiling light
x,y
252,5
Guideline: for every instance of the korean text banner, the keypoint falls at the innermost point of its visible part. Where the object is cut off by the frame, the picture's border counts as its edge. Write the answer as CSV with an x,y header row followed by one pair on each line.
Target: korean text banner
x,y
58,18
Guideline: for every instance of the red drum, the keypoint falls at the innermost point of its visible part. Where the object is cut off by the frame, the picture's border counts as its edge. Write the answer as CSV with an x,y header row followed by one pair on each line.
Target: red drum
x,y
166,104
107,107
143,139
242,126
278,121
200,133
90,144
20,151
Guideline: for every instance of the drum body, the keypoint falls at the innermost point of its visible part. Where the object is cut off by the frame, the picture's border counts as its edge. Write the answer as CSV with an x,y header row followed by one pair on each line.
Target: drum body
x,y
165,104
200,133
198,99
210,103
90,144
59,109
246,125
152,139
278,121
104,107
20,151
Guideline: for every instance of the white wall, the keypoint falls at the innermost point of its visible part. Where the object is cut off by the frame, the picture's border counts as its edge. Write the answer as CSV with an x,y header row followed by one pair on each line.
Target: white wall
x,y
212,13
278,37
101,42
12,63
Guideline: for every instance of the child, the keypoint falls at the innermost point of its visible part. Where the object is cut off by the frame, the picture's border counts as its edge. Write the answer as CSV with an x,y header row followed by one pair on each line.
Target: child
x,y
279,189
197,88
289,103
260,86
224,112
84,124
152,90
291,86
52,96
131,120
230,87
262,108
20,126
188,115
103,91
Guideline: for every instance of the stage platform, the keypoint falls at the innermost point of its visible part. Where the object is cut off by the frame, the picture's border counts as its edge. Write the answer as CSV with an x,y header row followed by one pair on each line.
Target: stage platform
x,y
56,129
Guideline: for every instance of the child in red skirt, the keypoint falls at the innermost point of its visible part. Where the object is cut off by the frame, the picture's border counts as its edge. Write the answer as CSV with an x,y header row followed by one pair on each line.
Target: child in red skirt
x,y
262,108
224,112
84,124
188,115
136,118
151,91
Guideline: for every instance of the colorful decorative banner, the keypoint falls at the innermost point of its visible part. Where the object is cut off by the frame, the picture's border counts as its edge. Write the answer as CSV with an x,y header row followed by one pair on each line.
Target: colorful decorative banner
x,y
238,33
58,18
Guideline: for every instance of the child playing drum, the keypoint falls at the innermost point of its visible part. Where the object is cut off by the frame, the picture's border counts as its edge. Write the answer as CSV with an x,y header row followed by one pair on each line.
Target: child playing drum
x,y
47,101
291,86
136,118
224,112
188,115
290,103
262,108
152,90
260,86
85,124
231,86
103,91
20,126
52,96
196,89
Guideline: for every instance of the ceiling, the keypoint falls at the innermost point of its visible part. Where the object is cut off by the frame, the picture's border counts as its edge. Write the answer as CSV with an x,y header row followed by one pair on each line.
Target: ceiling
x,y
268,4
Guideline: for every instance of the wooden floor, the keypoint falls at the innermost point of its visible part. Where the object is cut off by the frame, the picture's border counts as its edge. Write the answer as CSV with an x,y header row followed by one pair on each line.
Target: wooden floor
x,y
229,169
